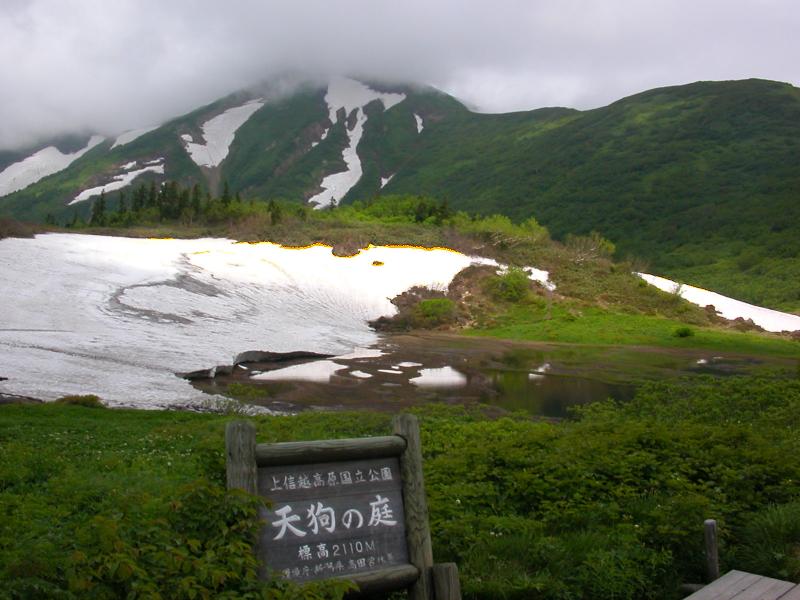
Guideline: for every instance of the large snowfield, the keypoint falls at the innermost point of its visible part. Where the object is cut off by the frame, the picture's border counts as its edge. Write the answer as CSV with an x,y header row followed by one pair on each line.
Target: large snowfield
x,y
119,316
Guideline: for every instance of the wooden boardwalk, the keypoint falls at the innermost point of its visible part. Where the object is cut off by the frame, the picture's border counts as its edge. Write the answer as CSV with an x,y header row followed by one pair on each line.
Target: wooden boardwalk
x,y
738,585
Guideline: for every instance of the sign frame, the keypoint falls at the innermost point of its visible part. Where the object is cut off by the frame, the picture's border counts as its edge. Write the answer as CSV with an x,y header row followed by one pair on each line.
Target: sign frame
x,y
244,457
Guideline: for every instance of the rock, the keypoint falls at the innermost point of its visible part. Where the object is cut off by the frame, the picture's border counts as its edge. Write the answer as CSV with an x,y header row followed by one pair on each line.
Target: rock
x,y
261,356
200,374
15,399
251,356
347,248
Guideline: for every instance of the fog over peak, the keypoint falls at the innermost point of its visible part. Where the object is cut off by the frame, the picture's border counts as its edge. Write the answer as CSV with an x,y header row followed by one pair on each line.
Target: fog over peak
x,y
99,66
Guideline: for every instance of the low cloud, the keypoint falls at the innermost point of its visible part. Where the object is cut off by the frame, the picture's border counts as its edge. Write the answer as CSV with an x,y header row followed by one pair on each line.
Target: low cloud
x,y
93,65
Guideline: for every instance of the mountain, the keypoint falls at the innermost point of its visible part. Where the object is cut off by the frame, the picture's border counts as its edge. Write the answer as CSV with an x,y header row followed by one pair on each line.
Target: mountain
x,y
702,181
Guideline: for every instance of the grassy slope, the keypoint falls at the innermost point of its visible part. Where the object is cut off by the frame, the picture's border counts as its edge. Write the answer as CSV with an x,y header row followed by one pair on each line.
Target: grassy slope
x,y
269,157
609,506
700,180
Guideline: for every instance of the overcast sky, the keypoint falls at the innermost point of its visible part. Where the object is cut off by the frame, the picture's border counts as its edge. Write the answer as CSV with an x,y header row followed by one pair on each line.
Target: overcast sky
x,y
110,65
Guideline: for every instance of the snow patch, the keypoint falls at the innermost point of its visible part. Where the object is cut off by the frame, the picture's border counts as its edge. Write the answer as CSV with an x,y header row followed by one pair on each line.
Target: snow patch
x,y
219,133
46,161
444,377
420,124
385,180
538,275
351,95
319,371
771,320
321,138
122,180
129,136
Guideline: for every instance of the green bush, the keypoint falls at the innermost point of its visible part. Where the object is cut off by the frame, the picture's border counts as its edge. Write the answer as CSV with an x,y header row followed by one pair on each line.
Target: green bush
x,y
87,401
511,286
771,542
683,332
433,312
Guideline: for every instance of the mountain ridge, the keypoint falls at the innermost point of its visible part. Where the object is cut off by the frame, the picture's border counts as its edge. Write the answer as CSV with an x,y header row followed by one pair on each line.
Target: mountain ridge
x,y
700,180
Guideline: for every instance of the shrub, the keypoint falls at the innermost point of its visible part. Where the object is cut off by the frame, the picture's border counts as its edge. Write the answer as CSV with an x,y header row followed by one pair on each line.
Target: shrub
x,y
433,312
87,401
683,332
590,246
771,542
511,286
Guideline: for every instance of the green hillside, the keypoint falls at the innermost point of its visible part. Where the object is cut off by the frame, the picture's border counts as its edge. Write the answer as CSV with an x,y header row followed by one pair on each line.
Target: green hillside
x,y
700,182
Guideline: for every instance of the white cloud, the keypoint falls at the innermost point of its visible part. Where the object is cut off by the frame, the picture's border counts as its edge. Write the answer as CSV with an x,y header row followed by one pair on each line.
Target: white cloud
x,y
110,66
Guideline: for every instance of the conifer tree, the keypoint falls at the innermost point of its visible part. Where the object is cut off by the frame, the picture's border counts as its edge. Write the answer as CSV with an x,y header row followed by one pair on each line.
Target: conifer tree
x,y
226,194
98,216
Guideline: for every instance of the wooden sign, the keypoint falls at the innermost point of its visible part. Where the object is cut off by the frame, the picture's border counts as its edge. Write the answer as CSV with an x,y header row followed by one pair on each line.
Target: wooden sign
x,y
353,509
333,519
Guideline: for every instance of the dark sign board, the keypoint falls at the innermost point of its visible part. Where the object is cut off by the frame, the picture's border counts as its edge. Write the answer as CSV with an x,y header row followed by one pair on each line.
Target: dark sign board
x,y
352,508
333,519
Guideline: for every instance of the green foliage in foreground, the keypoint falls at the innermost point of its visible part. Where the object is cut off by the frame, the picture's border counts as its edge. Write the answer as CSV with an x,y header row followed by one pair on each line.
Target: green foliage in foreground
x,y
120,503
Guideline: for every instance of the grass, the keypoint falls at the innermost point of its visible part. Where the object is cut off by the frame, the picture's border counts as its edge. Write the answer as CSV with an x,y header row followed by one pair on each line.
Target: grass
x,y
102,503
592,325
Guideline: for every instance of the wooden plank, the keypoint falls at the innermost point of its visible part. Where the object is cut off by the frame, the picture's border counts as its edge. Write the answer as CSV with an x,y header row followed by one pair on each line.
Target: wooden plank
x,y
446,585
792,594
300,453
240,460
726,587
420,552
712,550
376,582
765,588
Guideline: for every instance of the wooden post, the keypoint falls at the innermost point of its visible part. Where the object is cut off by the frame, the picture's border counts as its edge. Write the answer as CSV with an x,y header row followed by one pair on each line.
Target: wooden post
x,y
712,550
420,552
240,456
446,585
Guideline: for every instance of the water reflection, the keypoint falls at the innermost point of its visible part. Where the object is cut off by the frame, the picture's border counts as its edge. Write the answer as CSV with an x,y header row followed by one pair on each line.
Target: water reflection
x,y
540,379
552,395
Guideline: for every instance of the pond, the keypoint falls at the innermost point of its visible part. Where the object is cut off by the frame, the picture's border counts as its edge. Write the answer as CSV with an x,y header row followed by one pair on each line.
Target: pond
x,y
541,379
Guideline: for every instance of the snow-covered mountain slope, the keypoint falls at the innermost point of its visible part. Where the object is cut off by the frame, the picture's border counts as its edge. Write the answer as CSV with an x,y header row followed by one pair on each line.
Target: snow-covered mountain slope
x,y
118,316
218,134
317,144
129,136
350,95
46,161
129,173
